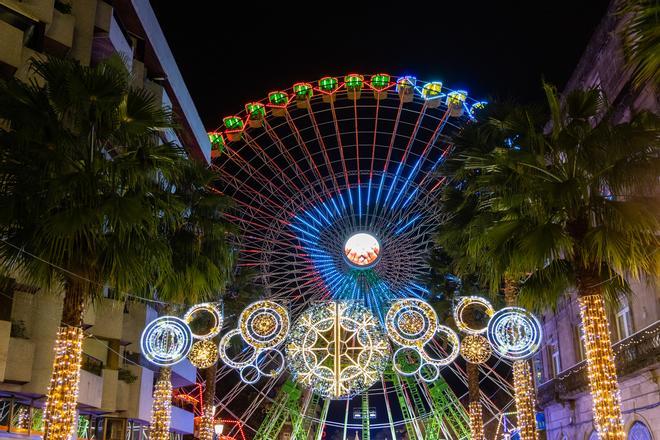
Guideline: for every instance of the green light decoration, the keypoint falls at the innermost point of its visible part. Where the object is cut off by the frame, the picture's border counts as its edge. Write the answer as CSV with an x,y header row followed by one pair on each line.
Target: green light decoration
x,y
303,92
328,83
217,143
234,126
354,84
278,101
256,114
380,81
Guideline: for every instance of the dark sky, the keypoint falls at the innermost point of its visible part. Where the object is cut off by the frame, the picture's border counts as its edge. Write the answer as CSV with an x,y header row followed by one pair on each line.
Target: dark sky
x,y
232,52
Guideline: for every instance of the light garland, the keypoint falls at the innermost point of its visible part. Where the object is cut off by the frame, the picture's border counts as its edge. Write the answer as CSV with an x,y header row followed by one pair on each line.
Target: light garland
x,y
514,333
411,322
162,407
476,421
210,309
475,349
207,422
471,301
338,349
601,368
445,359
525,400
203,354
60,408
225,344
264,324
166,341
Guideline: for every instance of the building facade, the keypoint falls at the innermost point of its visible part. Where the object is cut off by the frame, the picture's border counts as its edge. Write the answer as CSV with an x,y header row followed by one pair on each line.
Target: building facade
x,y
561,376
116,384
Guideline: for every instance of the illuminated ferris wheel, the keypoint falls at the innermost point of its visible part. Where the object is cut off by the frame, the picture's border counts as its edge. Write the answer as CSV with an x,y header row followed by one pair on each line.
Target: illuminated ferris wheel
x,y
335,187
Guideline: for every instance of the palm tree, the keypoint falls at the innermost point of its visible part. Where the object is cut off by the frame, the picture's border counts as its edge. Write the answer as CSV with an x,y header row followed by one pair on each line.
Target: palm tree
x,y
81,194
202,263
571,206
641,40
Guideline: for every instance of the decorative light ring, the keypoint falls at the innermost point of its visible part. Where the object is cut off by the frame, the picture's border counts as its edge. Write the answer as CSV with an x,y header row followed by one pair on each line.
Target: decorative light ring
x,y
514,333
447,358
250,374
213,310
225,343
402,358
263,363
470,301
428,372
475,349
166,341
203,354
411,322
264,324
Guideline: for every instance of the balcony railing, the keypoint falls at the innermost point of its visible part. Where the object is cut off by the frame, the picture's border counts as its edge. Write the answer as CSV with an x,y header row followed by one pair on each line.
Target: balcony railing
x,y
631,354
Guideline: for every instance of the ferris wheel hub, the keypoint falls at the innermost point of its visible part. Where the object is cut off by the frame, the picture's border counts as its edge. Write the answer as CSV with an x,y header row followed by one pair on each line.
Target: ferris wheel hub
x,y
362,250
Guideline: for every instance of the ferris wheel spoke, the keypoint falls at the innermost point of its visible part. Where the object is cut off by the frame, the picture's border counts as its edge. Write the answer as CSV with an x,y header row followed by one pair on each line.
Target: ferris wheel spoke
x,y
343,159
324,149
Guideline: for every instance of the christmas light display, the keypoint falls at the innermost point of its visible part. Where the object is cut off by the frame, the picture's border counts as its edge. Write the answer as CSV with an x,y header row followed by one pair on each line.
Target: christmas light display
x,y
435,352
166,340
203,354
60,408
210,309
464,305
514,333
601,369
475,349
246,358
411,322
525,400
337,348
162,407
264,324
476,421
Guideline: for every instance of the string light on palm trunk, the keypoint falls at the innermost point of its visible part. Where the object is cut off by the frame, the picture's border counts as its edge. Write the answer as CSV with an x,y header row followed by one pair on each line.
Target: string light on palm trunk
x,y
162,407
476,421
60,409
601,368
525,400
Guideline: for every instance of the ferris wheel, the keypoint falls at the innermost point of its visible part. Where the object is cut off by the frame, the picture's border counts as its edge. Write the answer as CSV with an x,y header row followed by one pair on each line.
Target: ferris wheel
x,y
335,185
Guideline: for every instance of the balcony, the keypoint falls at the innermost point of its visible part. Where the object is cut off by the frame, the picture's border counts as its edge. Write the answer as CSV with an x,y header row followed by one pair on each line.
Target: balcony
x,y
632,354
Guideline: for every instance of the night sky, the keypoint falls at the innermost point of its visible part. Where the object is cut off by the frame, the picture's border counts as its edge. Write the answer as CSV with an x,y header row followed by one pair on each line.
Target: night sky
x,y
233,52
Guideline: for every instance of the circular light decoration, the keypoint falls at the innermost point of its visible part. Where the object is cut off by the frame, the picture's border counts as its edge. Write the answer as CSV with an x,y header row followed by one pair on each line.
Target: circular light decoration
x,y
338,349
362,250
436,352
411,322
203,354
209,309
225,344
466,303
475,349
264,324
166,340
514,333
407,361
270,362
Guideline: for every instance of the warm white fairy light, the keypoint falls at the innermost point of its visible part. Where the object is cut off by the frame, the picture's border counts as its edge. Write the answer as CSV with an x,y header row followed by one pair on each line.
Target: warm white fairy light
x,y
213,311
264,324
464,304
337,348
166,340
475,349
601,368
203,354
60,408
476,421
162,407
411,322
523,386
514,333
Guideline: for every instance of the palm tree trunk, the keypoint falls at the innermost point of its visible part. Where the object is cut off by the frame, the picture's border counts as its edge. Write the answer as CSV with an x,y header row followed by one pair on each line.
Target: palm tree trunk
x,y
60,408
161,409
475,410
206,428
603,380
522,378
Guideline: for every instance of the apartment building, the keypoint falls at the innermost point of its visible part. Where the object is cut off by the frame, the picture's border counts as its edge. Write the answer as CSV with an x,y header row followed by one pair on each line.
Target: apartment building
x,y
561,375
116,383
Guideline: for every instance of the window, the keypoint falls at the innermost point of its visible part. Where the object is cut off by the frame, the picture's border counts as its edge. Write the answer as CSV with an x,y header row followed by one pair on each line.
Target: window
x,y
639,431
556,360
624,322
577,342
